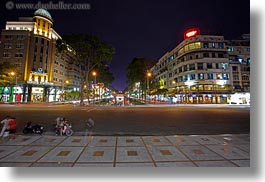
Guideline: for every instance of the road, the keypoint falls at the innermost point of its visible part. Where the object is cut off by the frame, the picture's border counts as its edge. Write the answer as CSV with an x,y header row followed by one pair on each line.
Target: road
x,y
165,120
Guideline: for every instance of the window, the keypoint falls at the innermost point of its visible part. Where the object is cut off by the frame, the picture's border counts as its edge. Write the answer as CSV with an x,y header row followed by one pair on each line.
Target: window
x,y
245,77
180,69
185,77
213,55
234,68
220,55
219,76
220,45
235,77
192,66
7,46
197,45
200,66
19,55
209,65
225,76
206,55
6,55
170,75
201,76
210,76
192,77
205,45
8,36
20,46
185,67
213,45
180,79
216,65
224,66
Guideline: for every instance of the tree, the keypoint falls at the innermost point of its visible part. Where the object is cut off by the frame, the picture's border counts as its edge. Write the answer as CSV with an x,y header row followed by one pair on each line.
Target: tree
x,y
137,69
6,79
90,52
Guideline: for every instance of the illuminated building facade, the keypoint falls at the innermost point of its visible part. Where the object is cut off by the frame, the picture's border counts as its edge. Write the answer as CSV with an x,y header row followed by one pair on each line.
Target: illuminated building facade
x,y
239,60
41,71
197,70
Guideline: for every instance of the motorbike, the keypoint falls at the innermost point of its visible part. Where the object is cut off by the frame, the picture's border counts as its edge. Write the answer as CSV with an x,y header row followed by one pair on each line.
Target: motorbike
x,y
36,129
65,129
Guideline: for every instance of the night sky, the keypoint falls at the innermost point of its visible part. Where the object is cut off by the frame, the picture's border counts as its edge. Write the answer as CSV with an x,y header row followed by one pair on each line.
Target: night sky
x,y
144,28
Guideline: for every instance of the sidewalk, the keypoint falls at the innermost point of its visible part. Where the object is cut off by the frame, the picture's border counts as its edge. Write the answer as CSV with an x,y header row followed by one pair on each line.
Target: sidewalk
x,y
126,151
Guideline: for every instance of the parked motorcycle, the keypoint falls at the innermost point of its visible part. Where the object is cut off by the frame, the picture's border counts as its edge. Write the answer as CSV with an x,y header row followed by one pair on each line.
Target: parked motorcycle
x,y
64,129
36,129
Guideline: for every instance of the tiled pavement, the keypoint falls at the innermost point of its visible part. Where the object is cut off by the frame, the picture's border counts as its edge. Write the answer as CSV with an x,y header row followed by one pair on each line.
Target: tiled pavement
x,y
126,151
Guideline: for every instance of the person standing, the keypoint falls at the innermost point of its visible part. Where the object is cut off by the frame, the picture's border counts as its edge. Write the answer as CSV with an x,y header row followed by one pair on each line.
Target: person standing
x,y
5,124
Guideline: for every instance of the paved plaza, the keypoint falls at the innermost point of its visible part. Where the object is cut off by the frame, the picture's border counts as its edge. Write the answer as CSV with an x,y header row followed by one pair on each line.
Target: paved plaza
x,y
126,151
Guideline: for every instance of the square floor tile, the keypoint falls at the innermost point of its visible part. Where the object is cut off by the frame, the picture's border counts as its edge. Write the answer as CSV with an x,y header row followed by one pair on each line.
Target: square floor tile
x,y
6,150
231,139
242,163
207,140
40,164
49,140
135,165
26,154
229,152
93,165
244,147
22,140
15,164
166,153
182,140
175,164
215,164
97,154
140,154
75,141
130,141
199,153
102,141
62,154
156,140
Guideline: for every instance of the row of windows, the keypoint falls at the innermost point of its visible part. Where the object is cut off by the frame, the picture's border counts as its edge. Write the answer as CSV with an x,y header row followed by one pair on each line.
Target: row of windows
x,y
8,55
19,37
193,56
9,46
203,76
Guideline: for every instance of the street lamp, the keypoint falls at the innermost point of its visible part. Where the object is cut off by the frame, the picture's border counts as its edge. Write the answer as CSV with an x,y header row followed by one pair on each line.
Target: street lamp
x,y
12,88
95,75
148,75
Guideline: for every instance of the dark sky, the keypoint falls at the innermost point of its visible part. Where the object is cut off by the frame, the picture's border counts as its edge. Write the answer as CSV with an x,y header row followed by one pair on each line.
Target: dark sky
x,y
144,28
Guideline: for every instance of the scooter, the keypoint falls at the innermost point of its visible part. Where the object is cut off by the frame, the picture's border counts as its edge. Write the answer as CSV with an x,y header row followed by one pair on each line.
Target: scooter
x,y
66,129
36,129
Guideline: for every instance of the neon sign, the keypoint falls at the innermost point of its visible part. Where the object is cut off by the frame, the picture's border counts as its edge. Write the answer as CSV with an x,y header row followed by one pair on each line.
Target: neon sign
x,y
191,33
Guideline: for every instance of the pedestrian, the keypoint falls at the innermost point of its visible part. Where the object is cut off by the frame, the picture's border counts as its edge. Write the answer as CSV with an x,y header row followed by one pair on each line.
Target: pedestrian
x,y
5,128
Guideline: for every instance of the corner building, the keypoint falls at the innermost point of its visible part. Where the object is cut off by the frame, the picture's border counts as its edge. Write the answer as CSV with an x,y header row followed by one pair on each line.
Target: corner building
x,y
197,70
30,45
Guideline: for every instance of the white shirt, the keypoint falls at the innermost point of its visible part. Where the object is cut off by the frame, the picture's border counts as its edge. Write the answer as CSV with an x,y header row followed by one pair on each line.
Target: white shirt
x,y
5,122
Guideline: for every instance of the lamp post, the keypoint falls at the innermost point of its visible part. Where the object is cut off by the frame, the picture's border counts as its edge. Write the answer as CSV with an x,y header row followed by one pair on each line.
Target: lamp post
x,y
95,82
148,75
12,88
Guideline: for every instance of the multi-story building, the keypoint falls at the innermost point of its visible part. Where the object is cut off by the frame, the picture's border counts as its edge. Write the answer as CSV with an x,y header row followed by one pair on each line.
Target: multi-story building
x,y
42,71
239,60
197,70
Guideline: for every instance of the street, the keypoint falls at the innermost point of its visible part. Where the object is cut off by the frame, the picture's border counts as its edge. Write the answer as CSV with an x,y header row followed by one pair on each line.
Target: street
x,y
145,120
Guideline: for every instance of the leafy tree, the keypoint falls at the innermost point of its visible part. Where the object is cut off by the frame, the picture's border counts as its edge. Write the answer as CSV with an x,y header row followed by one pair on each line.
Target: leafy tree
x,y
90,52
136,71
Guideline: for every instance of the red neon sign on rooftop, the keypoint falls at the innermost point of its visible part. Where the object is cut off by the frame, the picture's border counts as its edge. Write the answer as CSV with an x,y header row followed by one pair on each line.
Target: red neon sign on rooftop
x,y
191,33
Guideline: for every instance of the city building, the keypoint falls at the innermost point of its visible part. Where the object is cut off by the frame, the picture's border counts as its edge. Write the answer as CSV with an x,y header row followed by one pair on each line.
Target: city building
x,y
200,69
42,72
